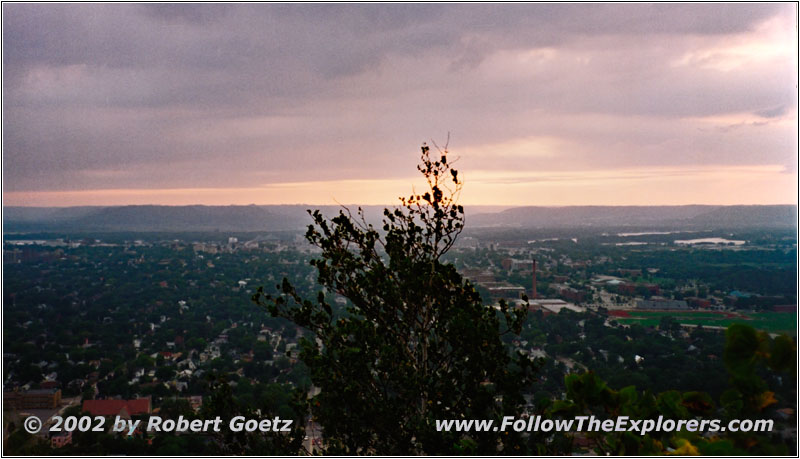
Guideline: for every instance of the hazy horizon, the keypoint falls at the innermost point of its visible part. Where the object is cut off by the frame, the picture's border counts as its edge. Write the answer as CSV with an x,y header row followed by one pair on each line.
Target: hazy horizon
x,y
496,207
545,104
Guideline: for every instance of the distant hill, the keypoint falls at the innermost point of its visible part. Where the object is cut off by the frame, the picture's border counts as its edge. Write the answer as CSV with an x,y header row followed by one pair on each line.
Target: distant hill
x,y
294,217
749,216
151,218
43,214
699,216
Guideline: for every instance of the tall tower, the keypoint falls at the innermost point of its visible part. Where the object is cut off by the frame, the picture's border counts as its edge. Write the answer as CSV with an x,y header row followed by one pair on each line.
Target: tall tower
x,y
533,290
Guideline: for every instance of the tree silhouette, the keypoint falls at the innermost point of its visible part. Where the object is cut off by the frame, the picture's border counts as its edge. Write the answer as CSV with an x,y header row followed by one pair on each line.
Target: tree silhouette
x,y
416,343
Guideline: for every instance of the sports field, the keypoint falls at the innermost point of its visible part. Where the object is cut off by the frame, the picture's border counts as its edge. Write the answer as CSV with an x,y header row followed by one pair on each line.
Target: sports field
x,y
772,322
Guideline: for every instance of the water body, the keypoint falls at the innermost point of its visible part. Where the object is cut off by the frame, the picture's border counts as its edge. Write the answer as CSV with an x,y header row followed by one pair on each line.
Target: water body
x,y
710,240
534,241
646,233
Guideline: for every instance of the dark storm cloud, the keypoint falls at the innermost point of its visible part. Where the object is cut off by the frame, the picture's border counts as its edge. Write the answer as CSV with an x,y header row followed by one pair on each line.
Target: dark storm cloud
x,y
157,95
334,39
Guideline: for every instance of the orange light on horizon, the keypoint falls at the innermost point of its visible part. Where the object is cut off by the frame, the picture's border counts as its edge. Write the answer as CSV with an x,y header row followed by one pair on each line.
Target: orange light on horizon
x,y
728,185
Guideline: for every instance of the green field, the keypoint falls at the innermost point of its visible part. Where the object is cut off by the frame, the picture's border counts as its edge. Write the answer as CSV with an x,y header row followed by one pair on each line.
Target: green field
x,y
772,322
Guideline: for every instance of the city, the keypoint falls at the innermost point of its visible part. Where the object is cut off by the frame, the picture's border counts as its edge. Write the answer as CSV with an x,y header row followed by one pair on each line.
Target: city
x,y
138,327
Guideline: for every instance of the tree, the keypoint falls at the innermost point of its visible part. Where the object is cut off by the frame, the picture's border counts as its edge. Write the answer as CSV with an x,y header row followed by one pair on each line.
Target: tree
x,y
417,343
222,403
746,351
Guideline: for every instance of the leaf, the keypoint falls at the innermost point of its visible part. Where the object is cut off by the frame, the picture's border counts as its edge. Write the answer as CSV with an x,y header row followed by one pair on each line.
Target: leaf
x,y
766,399
685,448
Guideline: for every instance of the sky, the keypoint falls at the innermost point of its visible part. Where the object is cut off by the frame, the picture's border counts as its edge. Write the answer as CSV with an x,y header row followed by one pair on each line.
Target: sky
x,y
544,104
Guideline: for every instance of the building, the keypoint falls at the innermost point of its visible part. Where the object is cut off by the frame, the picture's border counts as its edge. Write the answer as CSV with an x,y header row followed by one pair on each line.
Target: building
x,y
696,302
478,276
32,399
569,293
623,287
633,273
195,401
123,408
49,384
503,290
654,289
203,247
511,264
553,306
60,440
661,303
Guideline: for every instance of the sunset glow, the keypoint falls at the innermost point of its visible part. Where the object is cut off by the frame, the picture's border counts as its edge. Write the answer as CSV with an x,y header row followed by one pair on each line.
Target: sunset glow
x,y
727,186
